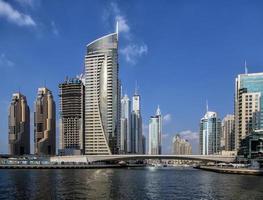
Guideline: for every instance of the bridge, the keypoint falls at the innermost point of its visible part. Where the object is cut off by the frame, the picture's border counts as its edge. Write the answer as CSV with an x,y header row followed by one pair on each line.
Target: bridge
x,y
102,158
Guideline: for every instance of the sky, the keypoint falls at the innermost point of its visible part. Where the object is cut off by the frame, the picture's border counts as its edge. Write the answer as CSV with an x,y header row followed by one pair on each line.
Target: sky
x,y
181,53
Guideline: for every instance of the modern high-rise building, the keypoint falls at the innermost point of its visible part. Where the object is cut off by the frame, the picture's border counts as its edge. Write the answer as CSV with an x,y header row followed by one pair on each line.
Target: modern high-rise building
x,y
210,134
181,146
71,93
136,125
125,135
102,96
155,133
45,123
228,132
19,126
248,105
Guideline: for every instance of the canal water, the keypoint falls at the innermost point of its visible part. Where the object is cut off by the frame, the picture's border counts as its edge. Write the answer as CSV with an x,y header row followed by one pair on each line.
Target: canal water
x,y
136,183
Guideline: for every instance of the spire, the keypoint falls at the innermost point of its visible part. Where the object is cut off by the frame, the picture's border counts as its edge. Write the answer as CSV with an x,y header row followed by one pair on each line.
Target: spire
x,y
158,111
117,28
246,71
136,88
207,106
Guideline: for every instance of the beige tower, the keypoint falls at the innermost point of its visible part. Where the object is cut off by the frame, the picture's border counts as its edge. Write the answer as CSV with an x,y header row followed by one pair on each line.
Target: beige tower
x,y
248,105
45,123
102,100
19,126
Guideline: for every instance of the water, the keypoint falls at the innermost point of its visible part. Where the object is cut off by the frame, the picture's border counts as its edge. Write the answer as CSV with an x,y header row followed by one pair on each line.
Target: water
x,y
140,183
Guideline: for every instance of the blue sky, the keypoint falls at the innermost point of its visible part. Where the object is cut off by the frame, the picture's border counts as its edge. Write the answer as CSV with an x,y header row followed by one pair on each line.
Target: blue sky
x,y
180,52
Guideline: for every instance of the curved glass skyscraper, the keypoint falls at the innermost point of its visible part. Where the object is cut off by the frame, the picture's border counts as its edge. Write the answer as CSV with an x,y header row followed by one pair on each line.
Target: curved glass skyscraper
x,y
102,100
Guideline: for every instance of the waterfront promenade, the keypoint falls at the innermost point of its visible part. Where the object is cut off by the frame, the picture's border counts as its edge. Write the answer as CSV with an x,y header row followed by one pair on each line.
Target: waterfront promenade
x,y
228,170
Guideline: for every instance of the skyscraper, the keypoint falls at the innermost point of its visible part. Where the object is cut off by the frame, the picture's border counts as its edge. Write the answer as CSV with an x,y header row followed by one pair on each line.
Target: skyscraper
x,y
19,126
155,133
125,125
102,96
45,123
136,125
71,94
181,146
248,105
228,132
210,134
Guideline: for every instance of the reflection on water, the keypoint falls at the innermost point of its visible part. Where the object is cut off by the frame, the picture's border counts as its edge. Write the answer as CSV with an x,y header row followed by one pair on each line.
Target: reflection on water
x,y
127,184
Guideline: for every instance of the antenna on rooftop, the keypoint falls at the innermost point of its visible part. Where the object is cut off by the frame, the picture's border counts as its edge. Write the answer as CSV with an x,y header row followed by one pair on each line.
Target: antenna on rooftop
x,y
136,87
246,71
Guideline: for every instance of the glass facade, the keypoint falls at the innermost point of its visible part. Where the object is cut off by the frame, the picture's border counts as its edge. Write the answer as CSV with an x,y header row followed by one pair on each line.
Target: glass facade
x,y
210,134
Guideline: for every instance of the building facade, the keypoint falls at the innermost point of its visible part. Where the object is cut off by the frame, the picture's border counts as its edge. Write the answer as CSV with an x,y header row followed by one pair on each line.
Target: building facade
x,y
71,94
19,126
136,126
228,132
181,146
155,133
210,134
102,97
125,136
252,146
248,105
45,123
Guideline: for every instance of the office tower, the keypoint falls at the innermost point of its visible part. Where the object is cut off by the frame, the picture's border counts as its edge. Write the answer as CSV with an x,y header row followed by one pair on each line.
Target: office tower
x,y
71,93
155,133
102,96
248,105
228,133
210,134
181,146
136,125
45,123
19,126
125,138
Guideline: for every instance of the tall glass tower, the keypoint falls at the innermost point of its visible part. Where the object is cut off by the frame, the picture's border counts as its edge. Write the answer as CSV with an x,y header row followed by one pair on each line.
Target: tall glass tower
x,y
210,134
125,125
155,134
136,125
102,96
248,105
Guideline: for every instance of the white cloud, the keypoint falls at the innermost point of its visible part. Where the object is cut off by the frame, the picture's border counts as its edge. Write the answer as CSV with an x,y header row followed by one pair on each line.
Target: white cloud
x,y
132,51
54,28
189,135
26,2
5,62
14,16
167,117
122,21
122,24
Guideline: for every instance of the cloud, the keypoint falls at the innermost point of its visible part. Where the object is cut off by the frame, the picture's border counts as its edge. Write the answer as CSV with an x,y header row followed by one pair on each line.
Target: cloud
x,y
167,118
5,62
122,21
30,3
54,28
14,16
132,51
122,24
189,135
